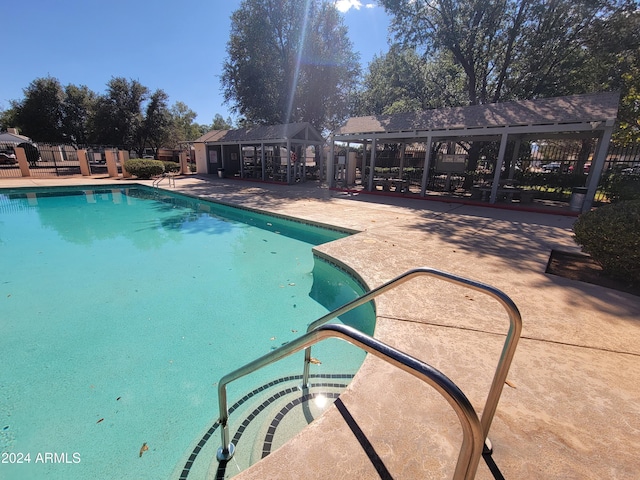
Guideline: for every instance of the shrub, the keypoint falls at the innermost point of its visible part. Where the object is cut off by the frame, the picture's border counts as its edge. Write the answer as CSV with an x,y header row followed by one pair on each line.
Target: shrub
x,y
143,168
621,187
611,235
172,167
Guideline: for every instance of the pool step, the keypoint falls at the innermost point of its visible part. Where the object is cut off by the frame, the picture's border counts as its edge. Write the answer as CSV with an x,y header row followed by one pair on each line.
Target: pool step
x,y
262,421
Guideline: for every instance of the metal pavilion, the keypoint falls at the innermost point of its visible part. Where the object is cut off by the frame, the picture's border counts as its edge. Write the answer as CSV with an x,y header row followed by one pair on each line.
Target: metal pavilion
x,y
568,117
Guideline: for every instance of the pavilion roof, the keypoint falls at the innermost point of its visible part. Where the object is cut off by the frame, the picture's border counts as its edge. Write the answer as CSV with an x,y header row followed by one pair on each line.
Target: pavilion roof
x,y
301,131
558,111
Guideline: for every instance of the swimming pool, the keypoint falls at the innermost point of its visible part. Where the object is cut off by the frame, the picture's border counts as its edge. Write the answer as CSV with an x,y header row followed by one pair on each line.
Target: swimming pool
x,y
122,307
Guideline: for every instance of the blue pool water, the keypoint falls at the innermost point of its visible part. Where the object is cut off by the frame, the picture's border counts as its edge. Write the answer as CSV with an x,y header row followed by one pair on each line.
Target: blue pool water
x,y
121,309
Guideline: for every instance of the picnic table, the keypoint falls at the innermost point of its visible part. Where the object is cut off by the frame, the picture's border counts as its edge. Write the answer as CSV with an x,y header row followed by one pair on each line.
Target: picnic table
x,y
508,191
388,181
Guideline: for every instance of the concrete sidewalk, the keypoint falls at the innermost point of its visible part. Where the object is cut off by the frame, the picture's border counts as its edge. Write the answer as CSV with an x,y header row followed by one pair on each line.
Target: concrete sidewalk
x,y
571,407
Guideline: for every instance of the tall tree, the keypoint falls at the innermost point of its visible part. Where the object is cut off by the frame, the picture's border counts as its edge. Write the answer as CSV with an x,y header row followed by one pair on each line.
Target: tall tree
x,y
77,107
155,130
219,123
289,61
402,81
512,49
118,116
183,126
8,117
506,48
614,64
39,114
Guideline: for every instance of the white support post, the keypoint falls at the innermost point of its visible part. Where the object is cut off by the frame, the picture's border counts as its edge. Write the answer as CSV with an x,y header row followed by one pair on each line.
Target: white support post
x,y
499,163
288,162
374,144
402,152
597,165
331,181
364,165
514,157
427,166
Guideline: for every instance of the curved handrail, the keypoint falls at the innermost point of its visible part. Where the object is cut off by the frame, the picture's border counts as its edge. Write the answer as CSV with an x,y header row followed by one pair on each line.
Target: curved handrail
x,y
156,182
472,440
508,350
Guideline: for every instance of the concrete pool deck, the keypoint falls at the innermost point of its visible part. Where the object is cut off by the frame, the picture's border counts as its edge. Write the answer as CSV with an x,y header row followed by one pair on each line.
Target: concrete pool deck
x,y
571,405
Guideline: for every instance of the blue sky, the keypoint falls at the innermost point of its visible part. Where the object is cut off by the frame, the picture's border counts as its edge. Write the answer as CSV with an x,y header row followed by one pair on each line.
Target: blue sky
x,y
178,46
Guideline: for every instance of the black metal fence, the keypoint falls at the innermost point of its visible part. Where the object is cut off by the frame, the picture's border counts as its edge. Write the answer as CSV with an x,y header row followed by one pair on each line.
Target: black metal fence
x,y
548,171
45,160
8,161
54,160
50,160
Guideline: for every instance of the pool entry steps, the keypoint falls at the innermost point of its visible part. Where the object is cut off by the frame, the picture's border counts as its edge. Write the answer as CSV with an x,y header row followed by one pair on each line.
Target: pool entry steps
x,y
475,440
281,403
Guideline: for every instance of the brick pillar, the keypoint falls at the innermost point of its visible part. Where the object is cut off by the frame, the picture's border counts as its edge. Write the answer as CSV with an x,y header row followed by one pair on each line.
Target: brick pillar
x,y
184,164
123,155
22,161
84,163
112,166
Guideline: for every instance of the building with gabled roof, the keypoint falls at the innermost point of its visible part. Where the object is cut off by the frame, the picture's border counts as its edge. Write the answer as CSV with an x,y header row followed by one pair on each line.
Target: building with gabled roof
x,y
12,136
282,153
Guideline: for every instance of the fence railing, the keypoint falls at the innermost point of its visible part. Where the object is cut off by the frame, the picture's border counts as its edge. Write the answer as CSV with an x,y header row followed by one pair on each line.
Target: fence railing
x,y
54,160
8,161
552,172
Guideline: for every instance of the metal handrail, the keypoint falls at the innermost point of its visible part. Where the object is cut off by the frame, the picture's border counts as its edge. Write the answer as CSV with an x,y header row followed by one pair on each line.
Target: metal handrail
x,y
472,440
169,176
508,350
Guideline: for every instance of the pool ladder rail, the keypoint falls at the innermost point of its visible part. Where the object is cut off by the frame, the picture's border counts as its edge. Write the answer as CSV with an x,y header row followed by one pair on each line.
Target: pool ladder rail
x,y
475,429
168,175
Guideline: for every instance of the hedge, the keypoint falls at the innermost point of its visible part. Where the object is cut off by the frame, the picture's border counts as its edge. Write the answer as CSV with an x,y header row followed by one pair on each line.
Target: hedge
x,y
171,166
143,168
611,235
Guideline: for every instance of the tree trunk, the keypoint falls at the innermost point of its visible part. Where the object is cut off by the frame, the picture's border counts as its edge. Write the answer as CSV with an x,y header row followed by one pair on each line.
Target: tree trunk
x,y
474,156
583,155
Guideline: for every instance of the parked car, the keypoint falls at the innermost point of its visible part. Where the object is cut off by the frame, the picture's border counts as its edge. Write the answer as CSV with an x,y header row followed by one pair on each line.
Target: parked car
x,y
551,167
8,158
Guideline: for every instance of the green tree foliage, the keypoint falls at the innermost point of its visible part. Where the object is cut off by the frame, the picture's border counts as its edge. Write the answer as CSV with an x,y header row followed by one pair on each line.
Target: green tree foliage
x,y
289,61
118,116
506,48
183,126
39,115
219,123
77,107
615,64
157,124
7,118
126,115
628,131
402,81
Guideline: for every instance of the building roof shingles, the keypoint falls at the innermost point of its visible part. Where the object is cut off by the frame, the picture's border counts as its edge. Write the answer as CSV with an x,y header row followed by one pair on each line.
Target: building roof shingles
x,y
570,109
